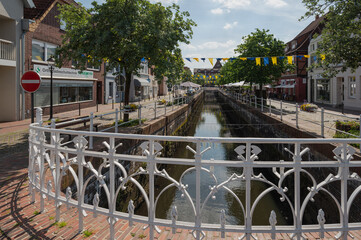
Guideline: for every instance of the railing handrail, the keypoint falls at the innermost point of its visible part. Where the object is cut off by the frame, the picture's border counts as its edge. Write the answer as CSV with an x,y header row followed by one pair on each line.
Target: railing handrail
x,y
6,41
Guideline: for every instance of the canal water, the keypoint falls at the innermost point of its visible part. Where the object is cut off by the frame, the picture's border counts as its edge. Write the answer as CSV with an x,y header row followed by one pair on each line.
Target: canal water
x,y
214,120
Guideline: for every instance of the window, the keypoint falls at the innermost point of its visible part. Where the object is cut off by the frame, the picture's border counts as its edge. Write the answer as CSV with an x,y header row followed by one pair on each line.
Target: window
x,y
294,44
64,92
90,66
62,24
110,89
42,51
352,87
312,47
323,90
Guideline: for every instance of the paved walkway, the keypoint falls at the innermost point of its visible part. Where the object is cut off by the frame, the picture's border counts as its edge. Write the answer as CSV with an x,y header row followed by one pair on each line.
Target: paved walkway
x,y
19,219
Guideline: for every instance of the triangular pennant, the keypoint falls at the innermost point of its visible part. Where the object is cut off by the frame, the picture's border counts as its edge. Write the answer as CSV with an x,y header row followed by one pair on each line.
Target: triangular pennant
x,y
306,56
211,60
266,61
258,61
323,56
189,59
219,59
243,58
225,59
281,58
300,57
197,59
289,59
251,58
203,59
274,60
232,59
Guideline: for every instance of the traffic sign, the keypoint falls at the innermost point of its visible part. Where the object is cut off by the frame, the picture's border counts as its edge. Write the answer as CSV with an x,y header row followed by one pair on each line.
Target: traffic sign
x,y
30,81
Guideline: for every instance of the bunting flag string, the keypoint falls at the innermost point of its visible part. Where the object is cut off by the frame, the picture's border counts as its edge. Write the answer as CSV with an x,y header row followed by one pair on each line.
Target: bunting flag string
x,y
263,60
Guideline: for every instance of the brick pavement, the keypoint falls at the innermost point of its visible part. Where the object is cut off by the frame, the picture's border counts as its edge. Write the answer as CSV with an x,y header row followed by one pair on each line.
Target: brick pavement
x,y
19,219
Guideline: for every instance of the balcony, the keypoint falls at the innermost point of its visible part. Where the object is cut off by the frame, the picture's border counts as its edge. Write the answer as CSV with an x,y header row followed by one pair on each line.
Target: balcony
x,y
7,53
51,159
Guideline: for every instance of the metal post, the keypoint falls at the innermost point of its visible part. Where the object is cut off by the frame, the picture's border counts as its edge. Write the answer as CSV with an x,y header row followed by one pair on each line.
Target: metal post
x,y
165,109
360,129
79,109
51,91
270,107
140,115
281,109
97,106
32,107
262,104
116,120
322,122
112,103
255,101
91,130
155,109
296,115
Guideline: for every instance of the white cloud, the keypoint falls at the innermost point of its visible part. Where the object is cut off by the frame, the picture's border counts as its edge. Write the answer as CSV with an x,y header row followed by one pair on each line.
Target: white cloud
x,y
216,45
233,4
166,2
230,25
276,3
217,11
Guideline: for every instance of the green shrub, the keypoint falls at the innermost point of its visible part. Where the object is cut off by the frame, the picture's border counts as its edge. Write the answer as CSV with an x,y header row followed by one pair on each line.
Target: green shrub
x,y
347,125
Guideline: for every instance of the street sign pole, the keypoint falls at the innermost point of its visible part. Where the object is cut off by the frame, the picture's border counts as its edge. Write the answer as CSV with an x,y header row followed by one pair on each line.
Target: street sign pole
x,y
30,82
32,107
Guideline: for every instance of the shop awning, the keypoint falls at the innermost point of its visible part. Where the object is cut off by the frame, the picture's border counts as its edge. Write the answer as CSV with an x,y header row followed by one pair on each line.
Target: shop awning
x,y
286,86
141,82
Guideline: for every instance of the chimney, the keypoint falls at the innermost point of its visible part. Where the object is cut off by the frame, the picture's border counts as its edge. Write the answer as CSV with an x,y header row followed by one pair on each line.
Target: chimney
x,y
317,17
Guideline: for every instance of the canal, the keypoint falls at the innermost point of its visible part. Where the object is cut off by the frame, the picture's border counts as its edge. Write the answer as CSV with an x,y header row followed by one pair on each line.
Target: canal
x,y
214,119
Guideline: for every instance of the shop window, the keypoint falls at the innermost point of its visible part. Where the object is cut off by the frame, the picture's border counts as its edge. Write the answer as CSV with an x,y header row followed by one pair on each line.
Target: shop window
x,y
352,87
323,90
42,51
90,66
63,92
110,89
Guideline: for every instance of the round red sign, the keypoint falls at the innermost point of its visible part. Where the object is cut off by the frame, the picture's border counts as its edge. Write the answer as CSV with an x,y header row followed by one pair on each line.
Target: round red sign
x,y
30,81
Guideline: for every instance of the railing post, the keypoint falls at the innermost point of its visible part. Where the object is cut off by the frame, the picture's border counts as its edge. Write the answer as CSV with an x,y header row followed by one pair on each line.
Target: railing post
x,y
198,159
116,121
155,109
270,107
112,219
140,115
255,101
297,181
360,129
151,169
80,146
281,110
296,115
322,122
39,116
262,104
91,130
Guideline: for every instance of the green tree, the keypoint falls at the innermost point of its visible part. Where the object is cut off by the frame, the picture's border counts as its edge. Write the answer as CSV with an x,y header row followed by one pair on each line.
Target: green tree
x,y
341,36
258,44
122,32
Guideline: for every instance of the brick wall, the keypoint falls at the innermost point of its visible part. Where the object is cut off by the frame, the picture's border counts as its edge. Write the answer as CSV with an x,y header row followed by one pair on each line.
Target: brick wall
x,y
47,29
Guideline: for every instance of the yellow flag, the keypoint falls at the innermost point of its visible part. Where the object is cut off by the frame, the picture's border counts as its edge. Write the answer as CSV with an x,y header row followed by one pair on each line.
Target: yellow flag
x,y
274,60
197,59
211,60
243,58
306,56
225,59
216,77
204,76
258,61
323,56
289,59
192,75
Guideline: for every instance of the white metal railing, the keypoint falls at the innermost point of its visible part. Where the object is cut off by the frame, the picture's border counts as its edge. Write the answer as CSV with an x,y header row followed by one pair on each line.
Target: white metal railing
x,y
321,118
7,50
50,162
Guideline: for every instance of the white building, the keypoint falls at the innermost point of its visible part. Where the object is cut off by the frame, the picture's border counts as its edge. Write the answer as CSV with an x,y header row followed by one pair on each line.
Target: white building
x,y
12,43
344,88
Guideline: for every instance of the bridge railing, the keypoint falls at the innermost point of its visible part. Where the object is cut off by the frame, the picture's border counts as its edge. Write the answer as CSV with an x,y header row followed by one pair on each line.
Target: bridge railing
x,y
50,162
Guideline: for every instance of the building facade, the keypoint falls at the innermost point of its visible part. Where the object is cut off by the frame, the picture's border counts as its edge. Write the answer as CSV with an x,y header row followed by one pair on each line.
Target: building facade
x,y
13,27
72,88
342,90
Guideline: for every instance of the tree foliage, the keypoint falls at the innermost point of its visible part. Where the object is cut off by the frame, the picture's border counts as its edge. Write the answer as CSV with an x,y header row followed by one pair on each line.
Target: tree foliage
x,y
258,44
122,33
341,36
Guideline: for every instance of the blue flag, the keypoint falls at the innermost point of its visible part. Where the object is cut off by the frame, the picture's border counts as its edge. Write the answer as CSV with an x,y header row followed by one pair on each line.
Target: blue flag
x,y
266,61
203,59
189,59
251,58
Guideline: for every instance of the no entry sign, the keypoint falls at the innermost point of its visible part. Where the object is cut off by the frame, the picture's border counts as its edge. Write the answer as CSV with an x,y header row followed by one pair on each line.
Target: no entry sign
x,y
30,81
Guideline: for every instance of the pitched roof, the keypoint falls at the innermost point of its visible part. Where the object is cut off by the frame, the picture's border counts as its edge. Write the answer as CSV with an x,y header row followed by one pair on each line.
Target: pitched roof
x,y
41,6
29,3
312,26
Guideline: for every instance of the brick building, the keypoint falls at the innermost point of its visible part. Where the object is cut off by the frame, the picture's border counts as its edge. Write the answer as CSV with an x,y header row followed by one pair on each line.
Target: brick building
x,y
71,88
293,84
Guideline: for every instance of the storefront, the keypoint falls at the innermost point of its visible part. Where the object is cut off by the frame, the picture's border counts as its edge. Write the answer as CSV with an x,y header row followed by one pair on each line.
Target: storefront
x,y
69,86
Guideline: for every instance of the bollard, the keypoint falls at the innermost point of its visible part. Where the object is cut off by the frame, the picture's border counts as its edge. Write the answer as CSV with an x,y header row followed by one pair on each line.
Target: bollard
x,y
97,107
270,107
140,115
322,122
39,116
116,120
281,110
165,109
296,115
255,101
112,103
91,130
155,110
79,109
262,104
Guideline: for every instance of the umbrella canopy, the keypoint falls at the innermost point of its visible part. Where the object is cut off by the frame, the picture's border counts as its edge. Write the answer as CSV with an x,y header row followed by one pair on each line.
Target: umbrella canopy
x,y
189,84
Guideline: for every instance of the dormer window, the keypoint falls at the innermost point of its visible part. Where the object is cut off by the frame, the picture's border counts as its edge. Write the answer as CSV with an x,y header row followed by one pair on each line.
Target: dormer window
x,y
294,44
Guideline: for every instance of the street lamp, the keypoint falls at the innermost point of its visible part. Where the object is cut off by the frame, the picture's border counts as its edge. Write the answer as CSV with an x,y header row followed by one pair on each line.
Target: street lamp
x,y
51,62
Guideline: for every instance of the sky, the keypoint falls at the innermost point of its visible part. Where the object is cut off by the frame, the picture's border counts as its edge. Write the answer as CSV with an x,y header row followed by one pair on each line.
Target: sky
x,y
221,24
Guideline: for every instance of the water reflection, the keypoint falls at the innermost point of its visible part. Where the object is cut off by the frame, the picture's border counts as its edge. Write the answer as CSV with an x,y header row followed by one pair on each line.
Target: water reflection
x,y
214,122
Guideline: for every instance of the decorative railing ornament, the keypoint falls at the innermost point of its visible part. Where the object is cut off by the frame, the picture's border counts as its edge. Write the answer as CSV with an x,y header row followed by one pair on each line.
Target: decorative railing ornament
x,y
51,161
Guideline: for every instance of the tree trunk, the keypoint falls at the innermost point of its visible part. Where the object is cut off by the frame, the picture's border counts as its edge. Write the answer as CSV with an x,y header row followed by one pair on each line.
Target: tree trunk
x,y
128,80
